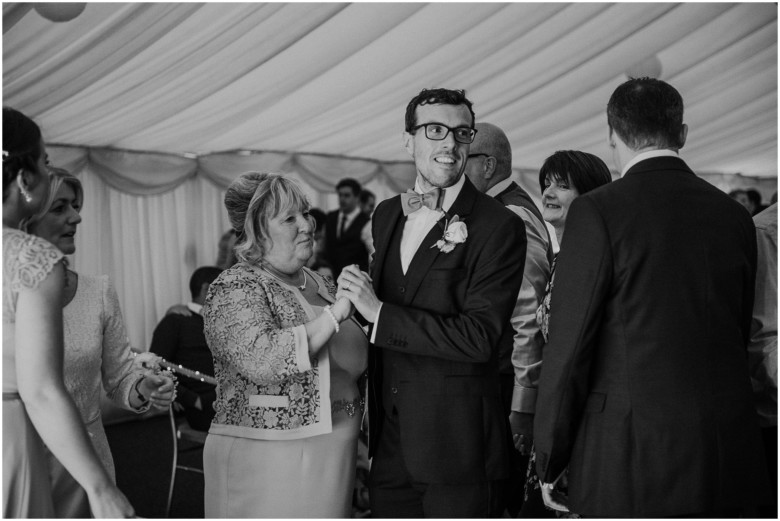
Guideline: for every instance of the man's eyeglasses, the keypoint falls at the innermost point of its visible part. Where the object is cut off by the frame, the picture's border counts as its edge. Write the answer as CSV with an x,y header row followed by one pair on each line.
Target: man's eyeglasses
x,y
438,132
477,155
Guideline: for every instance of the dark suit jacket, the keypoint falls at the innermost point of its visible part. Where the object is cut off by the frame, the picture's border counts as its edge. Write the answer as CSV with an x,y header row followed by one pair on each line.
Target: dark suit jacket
x,y
347,249
444,341
644,390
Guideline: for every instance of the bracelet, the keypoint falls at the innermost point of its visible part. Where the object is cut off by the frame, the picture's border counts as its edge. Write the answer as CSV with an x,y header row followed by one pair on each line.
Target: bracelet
x,y
332,317
141,397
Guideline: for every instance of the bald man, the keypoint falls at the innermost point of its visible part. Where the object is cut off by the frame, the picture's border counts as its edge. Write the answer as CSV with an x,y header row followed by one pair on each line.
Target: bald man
x,y
489,167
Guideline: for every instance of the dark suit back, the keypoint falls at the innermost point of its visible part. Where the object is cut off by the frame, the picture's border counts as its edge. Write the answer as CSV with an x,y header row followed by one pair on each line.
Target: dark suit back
x,y
644,387
436,354
349,248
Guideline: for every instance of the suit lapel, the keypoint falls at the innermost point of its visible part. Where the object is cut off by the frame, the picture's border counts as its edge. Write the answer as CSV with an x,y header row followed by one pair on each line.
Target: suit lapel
x,y
427,253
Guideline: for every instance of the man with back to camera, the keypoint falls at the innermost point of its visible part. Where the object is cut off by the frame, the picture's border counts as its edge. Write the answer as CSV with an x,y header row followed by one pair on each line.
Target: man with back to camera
x,y
644,393
440,297
348,230
489,167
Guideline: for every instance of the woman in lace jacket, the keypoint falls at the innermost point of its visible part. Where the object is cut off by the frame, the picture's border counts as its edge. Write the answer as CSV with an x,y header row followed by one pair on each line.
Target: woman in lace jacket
x,y
287,355
97,353
36,406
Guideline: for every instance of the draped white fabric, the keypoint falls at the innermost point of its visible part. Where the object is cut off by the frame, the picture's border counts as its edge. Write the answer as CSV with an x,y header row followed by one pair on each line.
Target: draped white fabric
x,y
157,107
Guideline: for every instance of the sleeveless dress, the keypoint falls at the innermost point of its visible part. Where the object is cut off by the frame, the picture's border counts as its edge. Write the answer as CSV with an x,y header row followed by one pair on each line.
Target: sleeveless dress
x,y
302,478
27,261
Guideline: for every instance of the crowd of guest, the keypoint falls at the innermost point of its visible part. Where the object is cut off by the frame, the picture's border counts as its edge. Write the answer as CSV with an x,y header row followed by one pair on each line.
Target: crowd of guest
x,y
596,357
751,199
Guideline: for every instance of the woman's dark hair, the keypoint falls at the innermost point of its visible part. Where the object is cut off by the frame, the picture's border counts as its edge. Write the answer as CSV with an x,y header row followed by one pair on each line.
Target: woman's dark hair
x,y
584,171
21,145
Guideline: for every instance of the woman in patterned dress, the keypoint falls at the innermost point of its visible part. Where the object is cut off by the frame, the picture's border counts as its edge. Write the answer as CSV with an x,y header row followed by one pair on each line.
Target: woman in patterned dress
x,y
564,176
97,351
36,405
287,355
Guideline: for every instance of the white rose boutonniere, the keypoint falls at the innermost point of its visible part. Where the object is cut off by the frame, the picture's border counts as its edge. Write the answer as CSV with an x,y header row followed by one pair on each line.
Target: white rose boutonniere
x,y
455,232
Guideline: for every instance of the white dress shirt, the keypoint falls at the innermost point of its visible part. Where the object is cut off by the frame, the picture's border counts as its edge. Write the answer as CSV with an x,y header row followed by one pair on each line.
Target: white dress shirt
x,y
665,152
365,233
418,225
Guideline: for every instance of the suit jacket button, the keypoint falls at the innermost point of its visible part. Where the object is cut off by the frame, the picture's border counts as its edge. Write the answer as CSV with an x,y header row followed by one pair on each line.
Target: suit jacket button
x,y
402,289
394,390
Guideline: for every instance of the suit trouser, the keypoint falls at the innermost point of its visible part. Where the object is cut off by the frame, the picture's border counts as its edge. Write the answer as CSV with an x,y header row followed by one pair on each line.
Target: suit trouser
x,y
515,485
201,419
769,435
393,492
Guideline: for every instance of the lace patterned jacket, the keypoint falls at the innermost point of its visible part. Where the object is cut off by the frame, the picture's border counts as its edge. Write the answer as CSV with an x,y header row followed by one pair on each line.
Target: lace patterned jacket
x,y
268,386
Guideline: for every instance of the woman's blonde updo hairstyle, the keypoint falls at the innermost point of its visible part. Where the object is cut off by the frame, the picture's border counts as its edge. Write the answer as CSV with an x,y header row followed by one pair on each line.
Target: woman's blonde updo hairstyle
x,y
251,201
58,177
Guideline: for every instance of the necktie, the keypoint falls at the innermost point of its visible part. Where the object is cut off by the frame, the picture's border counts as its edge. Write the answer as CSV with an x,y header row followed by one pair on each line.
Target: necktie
x,y
343,224
412,201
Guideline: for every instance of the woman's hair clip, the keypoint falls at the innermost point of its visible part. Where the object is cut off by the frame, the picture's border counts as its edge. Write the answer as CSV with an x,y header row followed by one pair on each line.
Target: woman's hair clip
x,y
5,155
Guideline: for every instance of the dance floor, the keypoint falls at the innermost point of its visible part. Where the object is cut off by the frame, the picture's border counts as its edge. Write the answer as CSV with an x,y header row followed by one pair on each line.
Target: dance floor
x,y
142,452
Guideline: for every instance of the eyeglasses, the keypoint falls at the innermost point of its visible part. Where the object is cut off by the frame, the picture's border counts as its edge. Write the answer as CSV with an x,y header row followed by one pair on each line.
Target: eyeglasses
x,y
439,132
477,155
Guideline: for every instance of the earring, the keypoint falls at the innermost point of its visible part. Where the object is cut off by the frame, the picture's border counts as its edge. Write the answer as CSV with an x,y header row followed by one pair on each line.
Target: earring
x,y
26,194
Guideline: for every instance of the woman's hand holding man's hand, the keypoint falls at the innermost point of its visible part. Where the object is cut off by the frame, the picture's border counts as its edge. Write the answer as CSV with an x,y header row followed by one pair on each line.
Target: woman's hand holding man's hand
x,y
356,286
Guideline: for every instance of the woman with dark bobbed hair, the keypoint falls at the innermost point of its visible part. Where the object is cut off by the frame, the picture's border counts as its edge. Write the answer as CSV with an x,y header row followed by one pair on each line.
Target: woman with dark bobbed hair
x,y
36,406
564,176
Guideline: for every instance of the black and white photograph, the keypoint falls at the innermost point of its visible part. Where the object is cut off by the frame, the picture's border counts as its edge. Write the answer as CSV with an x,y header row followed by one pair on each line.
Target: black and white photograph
x,y
390,259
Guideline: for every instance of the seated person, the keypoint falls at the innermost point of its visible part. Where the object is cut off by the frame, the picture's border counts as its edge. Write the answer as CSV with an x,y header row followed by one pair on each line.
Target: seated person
x,y
179,339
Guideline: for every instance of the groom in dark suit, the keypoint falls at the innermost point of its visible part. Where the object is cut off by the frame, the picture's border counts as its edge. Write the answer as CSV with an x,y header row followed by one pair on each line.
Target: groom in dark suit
x,y
644,393
446,273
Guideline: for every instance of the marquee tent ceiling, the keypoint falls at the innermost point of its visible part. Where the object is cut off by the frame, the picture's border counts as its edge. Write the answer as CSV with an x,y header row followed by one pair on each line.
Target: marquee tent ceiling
x,y
329,78
157,107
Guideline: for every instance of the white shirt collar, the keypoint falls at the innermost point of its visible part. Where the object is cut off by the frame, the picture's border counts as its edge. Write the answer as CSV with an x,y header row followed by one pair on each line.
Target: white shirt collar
x,y
499,187
195,308
665,152
351,215
450,194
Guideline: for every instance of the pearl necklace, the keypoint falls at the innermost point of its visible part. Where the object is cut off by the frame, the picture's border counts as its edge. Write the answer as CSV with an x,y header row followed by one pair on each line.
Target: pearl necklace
x,y
280,279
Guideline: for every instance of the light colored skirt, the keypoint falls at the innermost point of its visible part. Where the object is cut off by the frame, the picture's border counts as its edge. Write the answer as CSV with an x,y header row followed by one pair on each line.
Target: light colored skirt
x,y
26,486
307,478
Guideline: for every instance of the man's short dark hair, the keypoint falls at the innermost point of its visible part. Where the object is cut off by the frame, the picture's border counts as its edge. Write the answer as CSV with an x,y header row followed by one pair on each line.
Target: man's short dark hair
x,y
754,196
646,112
201,276
349,183
436,97
365,195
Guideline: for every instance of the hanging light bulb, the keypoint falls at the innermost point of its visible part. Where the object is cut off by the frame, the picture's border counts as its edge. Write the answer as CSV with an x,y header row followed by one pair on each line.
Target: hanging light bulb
x,y
60,11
